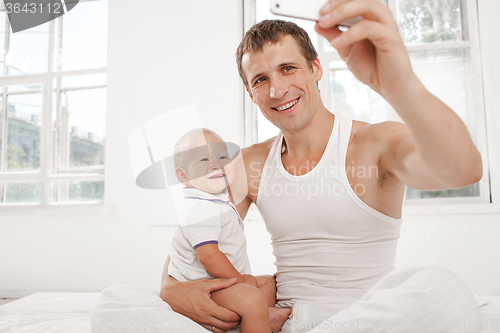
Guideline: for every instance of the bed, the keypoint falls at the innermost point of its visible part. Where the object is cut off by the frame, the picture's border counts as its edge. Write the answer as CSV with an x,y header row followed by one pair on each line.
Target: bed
x,y
71,312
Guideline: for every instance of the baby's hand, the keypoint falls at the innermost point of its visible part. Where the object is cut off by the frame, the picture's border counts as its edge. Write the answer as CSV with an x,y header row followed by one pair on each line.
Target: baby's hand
x,y
250,279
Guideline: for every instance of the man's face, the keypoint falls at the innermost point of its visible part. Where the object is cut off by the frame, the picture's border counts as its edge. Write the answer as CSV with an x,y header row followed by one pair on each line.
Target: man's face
x,y
283,85
207,166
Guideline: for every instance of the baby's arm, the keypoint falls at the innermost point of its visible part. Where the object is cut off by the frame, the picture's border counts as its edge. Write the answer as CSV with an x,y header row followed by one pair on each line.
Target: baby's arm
x,y
218,265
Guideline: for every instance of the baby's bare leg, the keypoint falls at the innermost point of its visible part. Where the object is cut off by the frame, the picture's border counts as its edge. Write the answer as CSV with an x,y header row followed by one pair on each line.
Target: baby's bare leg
x,y
267,284
249,303
277,317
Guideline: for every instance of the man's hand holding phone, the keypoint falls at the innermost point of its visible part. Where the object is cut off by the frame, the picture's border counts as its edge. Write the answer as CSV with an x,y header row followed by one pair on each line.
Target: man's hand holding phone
x,y
372,48
307,10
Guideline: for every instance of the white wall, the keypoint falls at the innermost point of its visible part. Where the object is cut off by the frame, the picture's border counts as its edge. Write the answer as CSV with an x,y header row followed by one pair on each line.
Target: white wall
x,y
88,250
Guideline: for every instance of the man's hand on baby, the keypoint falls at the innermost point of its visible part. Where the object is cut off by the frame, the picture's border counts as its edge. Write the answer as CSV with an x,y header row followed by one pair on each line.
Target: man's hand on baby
x,y
192,299
251,280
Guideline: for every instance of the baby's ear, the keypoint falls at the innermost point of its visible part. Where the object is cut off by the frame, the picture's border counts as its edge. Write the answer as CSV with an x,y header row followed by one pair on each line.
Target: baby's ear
x,y
181,175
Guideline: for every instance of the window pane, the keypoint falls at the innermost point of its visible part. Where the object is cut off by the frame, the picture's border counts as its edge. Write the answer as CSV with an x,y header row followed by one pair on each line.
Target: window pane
x,y
24,122
77,191
469,191
444,73
23,193
28,87
28,51
85,36
2,41
53,131
84,80
354,99
82,128
428,21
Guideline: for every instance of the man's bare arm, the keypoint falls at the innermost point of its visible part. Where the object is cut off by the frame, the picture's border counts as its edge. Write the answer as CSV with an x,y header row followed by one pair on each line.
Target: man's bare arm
x,y
433,150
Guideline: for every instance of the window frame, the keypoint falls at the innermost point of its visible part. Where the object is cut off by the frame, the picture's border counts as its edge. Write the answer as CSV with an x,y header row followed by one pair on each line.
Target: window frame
x,y
476,103
45,175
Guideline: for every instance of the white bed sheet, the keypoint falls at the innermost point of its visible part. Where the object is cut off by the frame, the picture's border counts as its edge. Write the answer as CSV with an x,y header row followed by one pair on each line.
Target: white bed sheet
x,y
48,312
69,313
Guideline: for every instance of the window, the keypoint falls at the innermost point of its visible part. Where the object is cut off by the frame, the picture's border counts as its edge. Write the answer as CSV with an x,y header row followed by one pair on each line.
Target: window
x,y
53,108
442,39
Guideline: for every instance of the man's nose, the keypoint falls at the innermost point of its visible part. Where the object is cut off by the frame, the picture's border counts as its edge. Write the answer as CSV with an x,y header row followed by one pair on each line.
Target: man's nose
x,y
278,88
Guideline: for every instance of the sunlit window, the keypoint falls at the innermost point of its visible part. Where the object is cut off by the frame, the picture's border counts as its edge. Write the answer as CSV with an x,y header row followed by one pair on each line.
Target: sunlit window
x,y
53,108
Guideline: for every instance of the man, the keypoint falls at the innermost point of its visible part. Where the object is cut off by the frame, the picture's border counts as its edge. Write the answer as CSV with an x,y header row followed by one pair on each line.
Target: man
x,y
337,261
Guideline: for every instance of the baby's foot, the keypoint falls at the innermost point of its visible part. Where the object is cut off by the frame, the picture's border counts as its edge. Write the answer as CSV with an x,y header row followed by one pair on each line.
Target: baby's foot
x,y
277,318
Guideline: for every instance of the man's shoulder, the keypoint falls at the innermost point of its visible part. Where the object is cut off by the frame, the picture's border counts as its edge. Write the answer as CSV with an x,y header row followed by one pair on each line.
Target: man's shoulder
x,y
254,158
375,134
258,152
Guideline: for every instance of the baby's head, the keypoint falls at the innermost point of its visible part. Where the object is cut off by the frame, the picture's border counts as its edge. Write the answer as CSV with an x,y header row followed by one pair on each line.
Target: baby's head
x,y
203,162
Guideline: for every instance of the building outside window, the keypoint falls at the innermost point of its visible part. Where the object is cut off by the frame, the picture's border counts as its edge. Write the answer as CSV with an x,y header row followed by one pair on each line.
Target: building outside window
x,y
53,108
442,38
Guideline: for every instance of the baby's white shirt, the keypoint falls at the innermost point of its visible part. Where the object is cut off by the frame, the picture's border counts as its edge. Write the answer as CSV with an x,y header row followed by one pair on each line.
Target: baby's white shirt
x,y
206,218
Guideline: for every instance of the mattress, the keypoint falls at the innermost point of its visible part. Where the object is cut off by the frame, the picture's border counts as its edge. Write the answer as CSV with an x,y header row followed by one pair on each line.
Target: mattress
x,y
70,312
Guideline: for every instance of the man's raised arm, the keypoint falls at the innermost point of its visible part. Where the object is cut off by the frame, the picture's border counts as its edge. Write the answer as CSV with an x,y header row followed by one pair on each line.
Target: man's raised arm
x,y
433,150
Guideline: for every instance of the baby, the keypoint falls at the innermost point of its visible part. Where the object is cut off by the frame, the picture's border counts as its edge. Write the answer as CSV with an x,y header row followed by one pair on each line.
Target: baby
x,y
210,242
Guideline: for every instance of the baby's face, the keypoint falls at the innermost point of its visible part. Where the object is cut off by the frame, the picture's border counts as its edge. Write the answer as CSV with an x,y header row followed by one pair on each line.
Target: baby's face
x,y
208,166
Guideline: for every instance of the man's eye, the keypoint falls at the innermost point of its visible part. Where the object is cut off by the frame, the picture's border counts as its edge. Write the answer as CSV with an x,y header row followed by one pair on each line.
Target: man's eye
x,y
259,80
287,68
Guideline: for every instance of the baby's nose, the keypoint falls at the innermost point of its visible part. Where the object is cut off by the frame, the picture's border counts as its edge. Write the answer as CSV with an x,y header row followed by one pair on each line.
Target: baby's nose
x,y
216,165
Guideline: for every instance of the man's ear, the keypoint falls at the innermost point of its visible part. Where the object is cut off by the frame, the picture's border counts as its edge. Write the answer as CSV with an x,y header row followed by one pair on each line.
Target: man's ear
x,y
181,175
249,93
317,69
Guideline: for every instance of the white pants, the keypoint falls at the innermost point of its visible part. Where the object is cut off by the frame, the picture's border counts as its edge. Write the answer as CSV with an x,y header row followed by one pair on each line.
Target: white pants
x,y
410,300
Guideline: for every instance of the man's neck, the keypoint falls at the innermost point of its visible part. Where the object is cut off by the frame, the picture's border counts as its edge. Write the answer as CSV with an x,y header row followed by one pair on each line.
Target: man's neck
x,y
310,141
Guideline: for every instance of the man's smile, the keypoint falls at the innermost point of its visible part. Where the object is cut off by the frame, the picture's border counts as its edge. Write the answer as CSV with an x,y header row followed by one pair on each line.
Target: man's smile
x,y
287,106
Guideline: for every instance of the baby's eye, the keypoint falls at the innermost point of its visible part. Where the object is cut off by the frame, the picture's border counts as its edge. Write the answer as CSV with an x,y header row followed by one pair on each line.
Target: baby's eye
x,y
223,157
204,159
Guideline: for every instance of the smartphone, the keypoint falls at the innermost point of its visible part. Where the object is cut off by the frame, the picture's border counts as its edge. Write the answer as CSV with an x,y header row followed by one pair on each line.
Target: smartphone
x,y
305,9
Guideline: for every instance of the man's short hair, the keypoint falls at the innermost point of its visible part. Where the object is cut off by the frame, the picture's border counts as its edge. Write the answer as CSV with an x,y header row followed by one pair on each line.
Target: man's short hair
x,y
272,31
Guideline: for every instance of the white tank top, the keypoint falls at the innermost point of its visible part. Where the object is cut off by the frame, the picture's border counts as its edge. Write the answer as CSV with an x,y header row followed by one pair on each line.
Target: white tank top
x,y
330,246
